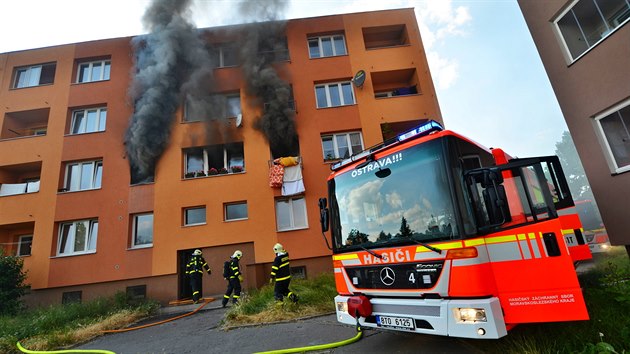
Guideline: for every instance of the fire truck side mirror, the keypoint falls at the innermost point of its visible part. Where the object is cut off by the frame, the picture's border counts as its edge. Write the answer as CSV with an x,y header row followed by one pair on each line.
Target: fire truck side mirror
x,y
323,214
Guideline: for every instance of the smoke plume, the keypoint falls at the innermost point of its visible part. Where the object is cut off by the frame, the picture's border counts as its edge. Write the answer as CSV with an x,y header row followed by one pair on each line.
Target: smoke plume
x,y
170,60
264,43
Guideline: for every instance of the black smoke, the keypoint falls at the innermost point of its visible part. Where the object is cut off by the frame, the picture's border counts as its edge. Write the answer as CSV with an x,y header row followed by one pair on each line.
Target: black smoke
x,y
263,44
169,61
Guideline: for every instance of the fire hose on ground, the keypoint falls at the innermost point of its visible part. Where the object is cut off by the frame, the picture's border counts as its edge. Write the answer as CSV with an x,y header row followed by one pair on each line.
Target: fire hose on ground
x,y
24,350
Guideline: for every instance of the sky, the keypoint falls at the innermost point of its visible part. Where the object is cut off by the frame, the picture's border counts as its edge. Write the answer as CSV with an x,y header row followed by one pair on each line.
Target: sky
x,y
490,82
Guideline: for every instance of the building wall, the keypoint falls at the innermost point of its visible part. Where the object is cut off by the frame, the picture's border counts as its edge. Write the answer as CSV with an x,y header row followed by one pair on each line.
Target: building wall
x,y
585,88
115,265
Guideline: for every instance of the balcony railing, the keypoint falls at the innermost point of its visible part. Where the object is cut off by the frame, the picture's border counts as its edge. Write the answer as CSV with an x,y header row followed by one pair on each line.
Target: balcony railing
x,y
18,188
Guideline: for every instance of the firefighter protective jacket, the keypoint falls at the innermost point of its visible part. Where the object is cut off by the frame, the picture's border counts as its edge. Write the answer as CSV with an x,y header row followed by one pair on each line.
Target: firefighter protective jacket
x,y
280,269
235,269
197,264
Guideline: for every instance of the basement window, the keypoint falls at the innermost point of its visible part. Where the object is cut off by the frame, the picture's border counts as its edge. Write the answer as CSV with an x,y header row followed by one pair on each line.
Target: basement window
x,y
71,297
385,36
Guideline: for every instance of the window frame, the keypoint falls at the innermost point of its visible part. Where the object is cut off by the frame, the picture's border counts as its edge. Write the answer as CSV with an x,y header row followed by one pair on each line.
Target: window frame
x,y
327,86
134,236
228,158
601,134
21,242
28,69
292,226
221,52
333,137
101,120
225,211
95,181
563,41
91,238
106,63
223,99
320,46
185,216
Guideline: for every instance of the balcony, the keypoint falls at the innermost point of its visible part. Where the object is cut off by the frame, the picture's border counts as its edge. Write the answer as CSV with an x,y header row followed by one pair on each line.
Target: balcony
x,y
25,124
20,179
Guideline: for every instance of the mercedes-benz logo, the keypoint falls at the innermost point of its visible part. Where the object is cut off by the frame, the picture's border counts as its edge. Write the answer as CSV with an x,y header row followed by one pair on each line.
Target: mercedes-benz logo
x,y
388,276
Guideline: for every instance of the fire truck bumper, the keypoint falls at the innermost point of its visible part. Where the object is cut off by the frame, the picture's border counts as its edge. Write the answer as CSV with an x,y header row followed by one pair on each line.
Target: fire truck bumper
x,y
478,318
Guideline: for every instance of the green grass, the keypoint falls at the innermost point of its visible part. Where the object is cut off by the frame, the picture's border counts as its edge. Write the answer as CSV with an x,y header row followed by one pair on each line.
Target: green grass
x,y
259,306
62,325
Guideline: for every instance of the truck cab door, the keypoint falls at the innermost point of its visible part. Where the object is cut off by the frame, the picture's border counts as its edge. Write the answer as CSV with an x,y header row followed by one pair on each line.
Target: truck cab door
x,y
533,269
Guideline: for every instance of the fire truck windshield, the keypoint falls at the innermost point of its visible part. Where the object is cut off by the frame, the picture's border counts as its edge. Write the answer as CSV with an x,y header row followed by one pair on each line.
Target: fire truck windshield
x,y
409,203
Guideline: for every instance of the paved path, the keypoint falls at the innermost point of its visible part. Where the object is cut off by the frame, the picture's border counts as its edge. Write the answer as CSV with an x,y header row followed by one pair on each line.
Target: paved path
x,y
201,333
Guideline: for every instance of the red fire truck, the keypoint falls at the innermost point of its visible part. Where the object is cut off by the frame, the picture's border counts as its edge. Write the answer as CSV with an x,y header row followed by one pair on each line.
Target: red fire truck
x,y
433,233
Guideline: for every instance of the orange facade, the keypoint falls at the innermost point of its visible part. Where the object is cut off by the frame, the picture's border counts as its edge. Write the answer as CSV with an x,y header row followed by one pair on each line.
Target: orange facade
x,y
40,143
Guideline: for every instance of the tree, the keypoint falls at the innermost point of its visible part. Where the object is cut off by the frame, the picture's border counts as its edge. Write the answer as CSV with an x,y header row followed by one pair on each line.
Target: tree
x,y
383,237
573,169
405,230
355,237
12,287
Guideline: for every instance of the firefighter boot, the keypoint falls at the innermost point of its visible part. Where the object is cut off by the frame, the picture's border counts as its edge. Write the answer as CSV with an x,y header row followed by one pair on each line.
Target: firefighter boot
x,y
225,301
293,297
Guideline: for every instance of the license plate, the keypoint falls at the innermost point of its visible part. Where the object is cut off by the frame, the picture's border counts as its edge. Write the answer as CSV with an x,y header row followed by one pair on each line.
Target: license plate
x,y
395,322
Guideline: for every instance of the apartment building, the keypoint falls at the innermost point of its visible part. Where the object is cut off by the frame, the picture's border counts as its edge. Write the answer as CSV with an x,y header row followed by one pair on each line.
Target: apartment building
x,y
85,227
584,47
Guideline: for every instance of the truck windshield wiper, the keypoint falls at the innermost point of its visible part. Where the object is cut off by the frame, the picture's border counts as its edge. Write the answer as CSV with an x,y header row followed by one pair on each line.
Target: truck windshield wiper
x,y
371,252
434,249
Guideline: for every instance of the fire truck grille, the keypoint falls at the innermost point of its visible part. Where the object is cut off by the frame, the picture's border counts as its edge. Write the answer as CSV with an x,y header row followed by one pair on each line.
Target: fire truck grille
x,y
422,275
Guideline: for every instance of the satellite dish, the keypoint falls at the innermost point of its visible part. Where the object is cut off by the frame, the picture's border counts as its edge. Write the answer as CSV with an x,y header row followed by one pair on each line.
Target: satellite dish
x,y
239,119
359,78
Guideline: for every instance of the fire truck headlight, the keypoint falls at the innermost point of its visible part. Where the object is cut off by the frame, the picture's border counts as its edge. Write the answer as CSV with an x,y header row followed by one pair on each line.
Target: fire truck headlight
x,y
470,315
342,307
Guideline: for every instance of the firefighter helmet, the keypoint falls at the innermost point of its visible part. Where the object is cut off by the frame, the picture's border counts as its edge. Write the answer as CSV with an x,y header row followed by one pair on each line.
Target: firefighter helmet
x,y
237,254
278,248
197,252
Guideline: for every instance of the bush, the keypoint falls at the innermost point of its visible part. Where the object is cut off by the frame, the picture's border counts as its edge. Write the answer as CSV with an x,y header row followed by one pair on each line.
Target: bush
x,y
12,278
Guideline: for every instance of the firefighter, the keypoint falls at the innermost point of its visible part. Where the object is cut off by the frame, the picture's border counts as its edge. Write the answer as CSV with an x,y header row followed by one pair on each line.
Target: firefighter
x,y
195,268
232,273
281,273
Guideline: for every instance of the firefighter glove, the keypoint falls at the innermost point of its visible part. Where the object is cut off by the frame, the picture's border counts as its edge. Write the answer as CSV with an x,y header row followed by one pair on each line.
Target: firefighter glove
x,y
270,280
240,278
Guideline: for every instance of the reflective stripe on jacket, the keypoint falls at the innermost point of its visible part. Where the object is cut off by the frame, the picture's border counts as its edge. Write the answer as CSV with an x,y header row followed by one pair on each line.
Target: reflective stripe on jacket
x,y
235,269
197,264
280,270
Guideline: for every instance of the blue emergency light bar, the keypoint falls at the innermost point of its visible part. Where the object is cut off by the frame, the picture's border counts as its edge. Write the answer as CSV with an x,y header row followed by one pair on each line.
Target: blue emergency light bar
x,y
419,131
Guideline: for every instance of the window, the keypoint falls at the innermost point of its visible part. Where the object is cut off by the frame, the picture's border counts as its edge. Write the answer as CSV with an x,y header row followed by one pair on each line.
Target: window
x,y
88,120
71,297
584,24
333,95
225,55
34,75
94,71
24,245
83,175
216,106
614,129
78,237
327,46
235,211
213,160
194,216
291,214
136,292
341,146
142,230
